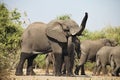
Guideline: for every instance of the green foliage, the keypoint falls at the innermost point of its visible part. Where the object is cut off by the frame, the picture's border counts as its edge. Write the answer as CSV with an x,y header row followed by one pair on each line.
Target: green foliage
x,y
92,35
10,33
89,66
63,17
107,32
112,33
40,61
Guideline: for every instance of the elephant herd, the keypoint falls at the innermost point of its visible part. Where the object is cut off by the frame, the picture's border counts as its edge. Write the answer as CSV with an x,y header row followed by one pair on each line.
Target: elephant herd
x,y
100,51
59,40
108,55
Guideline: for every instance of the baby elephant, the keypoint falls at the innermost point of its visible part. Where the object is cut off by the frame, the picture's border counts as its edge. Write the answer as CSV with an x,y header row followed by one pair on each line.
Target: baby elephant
x,y
105,57
50,60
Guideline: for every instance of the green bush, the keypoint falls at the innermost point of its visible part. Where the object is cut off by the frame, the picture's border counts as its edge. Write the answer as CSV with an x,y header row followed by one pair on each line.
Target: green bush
x,y
10,33
89,66
40,61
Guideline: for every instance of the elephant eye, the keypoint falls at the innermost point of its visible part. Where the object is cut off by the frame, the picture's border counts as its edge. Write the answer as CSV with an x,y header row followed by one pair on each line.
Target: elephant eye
x,y
66,29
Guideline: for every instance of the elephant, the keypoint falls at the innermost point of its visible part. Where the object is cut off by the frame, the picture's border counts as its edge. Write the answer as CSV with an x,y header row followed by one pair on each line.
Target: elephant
x,y
89,49
50,57
114,58
56,37
102,59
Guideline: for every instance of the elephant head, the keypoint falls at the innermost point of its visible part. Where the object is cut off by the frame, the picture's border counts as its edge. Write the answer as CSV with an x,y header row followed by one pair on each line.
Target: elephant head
x,y
109,42
61,29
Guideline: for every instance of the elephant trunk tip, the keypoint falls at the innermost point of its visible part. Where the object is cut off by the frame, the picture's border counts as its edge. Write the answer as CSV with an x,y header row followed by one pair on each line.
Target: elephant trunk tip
x,y
83,24
86,13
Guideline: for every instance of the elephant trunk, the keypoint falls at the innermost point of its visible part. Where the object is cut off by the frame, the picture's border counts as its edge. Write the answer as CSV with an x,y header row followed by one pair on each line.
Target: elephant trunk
x,y
83,24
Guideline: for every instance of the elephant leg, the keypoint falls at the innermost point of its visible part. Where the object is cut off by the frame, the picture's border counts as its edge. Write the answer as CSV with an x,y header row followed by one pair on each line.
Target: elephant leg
x,y
30,65
69,58
63,68
99,70
116,71
81,64
53,65
113,66
72,59
77,68
19,69
95,70
57,64
47,66
104,69
82,70
68,66
57,56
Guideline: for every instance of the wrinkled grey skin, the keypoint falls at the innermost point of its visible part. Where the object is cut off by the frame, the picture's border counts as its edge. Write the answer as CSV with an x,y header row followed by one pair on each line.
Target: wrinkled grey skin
x,y
102,60
115,61
89,49
50,57
57,37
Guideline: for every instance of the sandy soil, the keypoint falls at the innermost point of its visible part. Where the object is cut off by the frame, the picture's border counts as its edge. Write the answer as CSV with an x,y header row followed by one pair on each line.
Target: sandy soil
x,y
40,75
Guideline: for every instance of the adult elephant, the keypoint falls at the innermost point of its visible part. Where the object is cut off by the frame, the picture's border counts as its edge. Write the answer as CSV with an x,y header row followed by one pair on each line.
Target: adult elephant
x,y
102,60
115,61
56,37
49,59
89,49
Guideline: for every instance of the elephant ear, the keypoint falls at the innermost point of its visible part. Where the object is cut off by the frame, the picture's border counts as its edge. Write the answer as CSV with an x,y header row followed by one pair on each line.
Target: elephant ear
x,y
55,31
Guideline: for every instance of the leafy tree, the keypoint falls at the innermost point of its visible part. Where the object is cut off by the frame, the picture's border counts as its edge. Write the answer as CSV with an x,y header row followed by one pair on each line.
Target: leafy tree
x,y
10,33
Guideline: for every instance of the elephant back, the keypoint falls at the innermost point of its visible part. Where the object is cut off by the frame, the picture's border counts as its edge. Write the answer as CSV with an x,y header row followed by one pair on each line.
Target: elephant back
x,y
33,38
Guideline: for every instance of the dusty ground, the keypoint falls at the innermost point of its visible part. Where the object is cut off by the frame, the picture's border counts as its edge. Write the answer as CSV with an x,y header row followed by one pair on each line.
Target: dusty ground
x,y
40,75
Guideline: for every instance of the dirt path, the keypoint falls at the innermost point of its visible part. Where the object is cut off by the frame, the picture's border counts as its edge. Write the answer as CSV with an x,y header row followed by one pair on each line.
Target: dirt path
x,y
40,75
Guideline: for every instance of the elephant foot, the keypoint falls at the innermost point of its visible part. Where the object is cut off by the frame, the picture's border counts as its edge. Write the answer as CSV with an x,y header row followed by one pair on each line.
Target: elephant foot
x,y
113,74
83,74
57,74
77,70
18,73
30,73
63,72
70,74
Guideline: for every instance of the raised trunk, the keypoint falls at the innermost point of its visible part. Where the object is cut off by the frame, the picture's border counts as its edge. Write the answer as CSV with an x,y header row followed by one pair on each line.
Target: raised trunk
x,y
83,24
